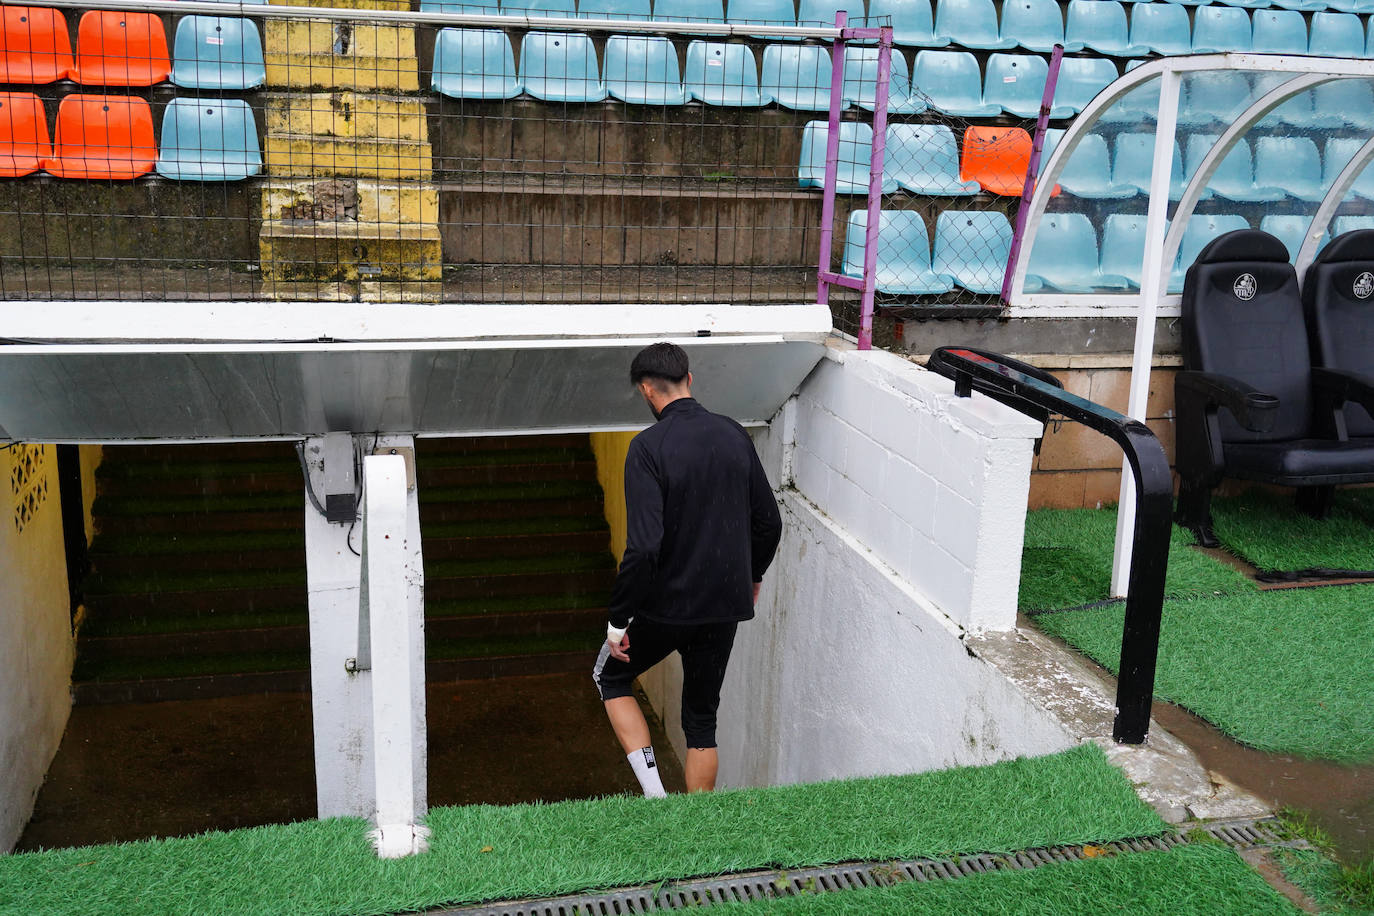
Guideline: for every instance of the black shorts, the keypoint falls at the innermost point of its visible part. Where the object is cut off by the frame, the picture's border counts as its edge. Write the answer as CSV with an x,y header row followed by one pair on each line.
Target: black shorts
x,y
705,650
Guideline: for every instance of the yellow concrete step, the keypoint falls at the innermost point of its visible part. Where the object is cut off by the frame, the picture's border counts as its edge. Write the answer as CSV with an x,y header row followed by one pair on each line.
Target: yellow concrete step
x,y
307,155
366,201
353,291
340,55
345,250
347,114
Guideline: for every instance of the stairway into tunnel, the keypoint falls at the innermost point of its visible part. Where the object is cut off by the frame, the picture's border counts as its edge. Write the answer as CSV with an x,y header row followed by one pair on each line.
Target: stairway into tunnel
x,y
198,580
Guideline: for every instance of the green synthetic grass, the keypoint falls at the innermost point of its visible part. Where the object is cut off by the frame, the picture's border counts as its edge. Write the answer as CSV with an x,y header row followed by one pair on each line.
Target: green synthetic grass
x,y
159,470
1202,880
512,492
506,457
1067,561
129,545
514,527
98,625
1337,891
1266,530
485,852
198,503
505,566
514,604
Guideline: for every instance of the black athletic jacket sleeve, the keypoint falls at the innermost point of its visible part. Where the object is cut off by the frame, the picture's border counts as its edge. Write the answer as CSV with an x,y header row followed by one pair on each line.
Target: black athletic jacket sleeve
x,y
702,523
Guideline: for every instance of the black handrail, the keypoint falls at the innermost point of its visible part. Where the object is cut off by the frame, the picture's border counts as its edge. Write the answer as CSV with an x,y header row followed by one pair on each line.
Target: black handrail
x,y
992,374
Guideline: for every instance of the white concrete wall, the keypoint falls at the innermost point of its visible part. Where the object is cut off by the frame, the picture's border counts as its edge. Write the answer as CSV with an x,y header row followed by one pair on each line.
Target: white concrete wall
x,y
903,510
36,647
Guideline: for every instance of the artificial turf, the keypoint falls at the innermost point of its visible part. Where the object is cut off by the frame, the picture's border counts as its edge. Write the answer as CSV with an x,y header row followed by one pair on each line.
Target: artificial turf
x,y
1203,880
1320,879
485,852
1266,530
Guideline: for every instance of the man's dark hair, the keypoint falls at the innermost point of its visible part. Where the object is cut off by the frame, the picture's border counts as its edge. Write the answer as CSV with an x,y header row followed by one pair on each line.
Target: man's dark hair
x,y
660,362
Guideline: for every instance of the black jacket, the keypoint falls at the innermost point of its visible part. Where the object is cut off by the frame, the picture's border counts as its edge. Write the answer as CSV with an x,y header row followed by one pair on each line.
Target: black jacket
x,y
703,524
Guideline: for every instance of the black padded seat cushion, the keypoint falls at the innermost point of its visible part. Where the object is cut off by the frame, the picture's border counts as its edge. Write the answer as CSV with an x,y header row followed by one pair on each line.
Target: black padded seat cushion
x,y
1303,461
1339,297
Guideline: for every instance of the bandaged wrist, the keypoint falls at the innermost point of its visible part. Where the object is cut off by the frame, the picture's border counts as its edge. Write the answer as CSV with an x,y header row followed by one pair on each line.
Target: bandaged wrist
x,y
615,634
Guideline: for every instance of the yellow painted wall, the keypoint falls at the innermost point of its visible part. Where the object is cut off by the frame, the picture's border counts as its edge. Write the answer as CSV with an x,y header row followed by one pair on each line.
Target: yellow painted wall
x,y
610,450
36,645
91,456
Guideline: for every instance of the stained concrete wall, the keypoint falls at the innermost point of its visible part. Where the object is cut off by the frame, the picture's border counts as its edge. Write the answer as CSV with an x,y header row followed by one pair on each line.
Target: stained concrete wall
x,y
610,450
36,646
903,509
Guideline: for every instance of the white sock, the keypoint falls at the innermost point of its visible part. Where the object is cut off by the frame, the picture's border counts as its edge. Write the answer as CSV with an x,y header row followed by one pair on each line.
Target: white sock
x,y
646,771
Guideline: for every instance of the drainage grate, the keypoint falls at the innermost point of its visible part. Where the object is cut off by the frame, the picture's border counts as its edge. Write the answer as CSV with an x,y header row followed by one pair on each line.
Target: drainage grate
x,y
762,885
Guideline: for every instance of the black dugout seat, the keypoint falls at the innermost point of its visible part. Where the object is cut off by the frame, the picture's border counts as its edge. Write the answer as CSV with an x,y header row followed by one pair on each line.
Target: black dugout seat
x,y
1249,404
1338,298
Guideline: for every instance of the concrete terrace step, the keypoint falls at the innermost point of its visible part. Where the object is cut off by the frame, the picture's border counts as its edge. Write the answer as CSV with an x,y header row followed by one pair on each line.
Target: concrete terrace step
x,y
346,114
340,55
346,251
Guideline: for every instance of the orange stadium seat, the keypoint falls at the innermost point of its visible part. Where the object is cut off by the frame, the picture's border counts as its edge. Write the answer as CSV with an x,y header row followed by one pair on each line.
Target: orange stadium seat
x,y
24,142
103,136
996,158
121,49
34,47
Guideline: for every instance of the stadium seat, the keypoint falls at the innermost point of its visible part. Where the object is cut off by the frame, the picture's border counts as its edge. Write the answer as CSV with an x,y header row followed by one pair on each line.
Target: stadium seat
x,y
1140,105
1291,230
613,9
24,142
861,82
1097,24
547,8
1072,265
1201,230
1336,35
474,64
1080,80
1339,152
1036,25
970,24
972,247
1220,28
643,69
102,136
997,158
1217,95
903,256
121,49
689,11
1088,172
1160,27
1342,103
209,140
1291,164
1336,305
1306,6
213,52
912,22
924,159
560,67
764,12
796,77
1278,32
855,157
1351,6
1133,161
822,12
722,74
36,46
951,83
1248,4
1234,178
1343,224
1016,83
1123,247
479,7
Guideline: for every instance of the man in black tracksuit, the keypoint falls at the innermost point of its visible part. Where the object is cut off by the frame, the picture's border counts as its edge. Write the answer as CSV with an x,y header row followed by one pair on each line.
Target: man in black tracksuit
x,y
702,528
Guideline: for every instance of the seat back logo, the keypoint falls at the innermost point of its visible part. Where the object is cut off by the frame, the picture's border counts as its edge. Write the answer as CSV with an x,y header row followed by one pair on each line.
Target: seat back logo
x,y
1364,285
1245,286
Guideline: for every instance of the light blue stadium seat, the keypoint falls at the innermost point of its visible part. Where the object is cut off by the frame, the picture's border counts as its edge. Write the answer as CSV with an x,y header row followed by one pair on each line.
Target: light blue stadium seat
x,y
1189,2
689,11
912,22
642,69
903,262
972,246
474,64
796,77
951,82
213,52
1123,247
1248,4
1220,28
1073,266
561,67
855,158
722,74
1016,83
1088,173
1306,6
763,12
1161,27
1138,106
970,24
1234,179
1343,103
1291,230
1343,224
1339,152
1036,25
1351,6
1336,35
861,82
1217,95
209,140
1200,231
613,9
924,159
1133,161
1278,32
1097,24
822,12
547,8
1080,80
480,7
1291,164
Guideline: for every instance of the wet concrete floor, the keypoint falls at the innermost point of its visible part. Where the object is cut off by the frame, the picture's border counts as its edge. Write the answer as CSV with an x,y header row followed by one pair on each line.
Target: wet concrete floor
x,y
170,769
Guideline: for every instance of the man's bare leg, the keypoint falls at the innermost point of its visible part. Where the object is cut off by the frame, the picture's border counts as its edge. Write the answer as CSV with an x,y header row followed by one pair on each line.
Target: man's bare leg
x,y
700,769
628,723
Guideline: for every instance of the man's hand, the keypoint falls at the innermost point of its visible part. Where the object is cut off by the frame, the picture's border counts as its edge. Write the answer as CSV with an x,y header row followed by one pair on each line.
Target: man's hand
x,y
757,586
620,650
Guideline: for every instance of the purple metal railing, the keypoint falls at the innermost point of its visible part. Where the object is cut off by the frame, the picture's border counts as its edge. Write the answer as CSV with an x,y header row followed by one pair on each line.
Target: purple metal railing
x,y
825,277
1032,168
